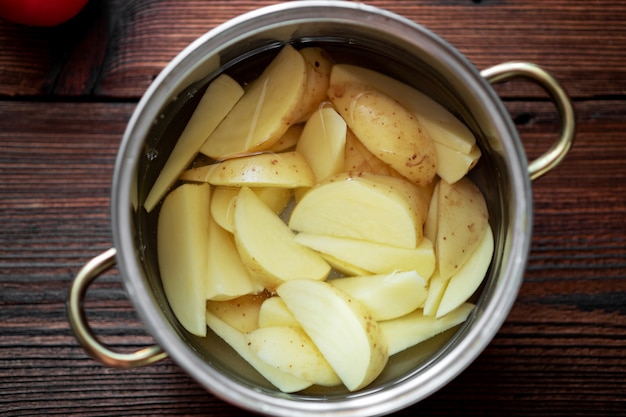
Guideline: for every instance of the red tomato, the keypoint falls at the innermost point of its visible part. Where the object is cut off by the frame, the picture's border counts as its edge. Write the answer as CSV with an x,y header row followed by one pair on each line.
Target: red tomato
x,y
40,12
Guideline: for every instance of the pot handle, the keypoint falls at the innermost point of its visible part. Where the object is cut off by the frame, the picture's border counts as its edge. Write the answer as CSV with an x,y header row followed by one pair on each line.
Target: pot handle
x,y
83,332
558,150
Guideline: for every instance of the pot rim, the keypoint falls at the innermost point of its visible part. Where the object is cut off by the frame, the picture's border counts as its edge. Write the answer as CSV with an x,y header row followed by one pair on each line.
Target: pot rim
x,y
368,402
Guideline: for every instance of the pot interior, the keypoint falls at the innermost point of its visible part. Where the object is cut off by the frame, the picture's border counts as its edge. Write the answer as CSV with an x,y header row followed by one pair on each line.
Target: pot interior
x,y
406,52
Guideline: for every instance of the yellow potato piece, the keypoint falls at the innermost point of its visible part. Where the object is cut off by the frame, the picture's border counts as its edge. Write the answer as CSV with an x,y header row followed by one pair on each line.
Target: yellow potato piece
x,y
407,331
182,245
274,312
319,65
290,350
463,218
436,288
358,209
468,278
267,245
266,110
386,296
387,129
237,340
359,159
219,97
285,170
373,257
452,165
288,140
241,313
323,143
442,126
341,328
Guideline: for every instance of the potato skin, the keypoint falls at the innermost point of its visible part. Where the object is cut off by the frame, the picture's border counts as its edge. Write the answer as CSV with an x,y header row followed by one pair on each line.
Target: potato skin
x,y
387,129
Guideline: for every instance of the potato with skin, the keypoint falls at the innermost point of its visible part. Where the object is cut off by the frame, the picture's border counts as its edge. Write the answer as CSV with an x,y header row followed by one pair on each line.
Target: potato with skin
x,y
387,129
241,313
288,140
290,350
452,165
266,110
386,296
462,221
237,340
182,245
284,170
274,313
267,247
359,159
319,64
341,328
373,257
219,97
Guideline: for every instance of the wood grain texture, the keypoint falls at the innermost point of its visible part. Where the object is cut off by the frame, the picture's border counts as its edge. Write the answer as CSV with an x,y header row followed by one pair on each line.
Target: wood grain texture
x,y
67,93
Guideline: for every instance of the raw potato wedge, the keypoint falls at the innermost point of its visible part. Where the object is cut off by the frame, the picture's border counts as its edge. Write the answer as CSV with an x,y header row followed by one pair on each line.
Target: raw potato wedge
x,y
359,159
227,276
323,143
357,209
289,140
468,278
442,126
290,350
375,258
319,64
387,129
341,328
452,165
436,288
237,340
463,218
274,312
415,327
386,296
182,245
267,245
223,202
218,99
284,170
266,110
241,313
432,218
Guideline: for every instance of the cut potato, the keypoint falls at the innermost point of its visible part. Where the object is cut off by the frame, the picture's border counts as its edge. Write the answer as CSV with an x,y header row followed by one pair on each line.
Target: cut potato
x,y
237,340
344,267
319,64
359,159
267,245
266,110
323,143
375,258
386,296
227,276
358,209
387,129
241,313
452,165
182,246
274,312
289,140
468,278
223,202
290,350
463,218
218,99
341,328
432,218
413,328
436,289
442,126
284,170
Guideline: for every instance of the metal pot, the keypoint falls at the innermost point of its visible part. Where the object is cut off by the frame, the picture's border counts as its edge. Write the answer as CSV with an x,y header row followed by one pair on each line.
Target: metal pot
x,y
386,42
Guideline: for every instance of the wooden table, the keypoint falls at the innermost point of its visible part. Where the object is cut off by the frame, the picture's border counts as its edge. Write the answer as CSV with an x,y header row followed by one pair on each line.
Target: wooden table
x,y
66,94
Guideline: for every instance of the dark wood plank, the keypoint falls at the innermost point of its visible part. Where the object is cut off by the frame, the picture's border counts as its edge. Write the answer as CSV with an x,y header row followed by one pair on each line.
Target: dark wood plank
x,y
560,352
116,48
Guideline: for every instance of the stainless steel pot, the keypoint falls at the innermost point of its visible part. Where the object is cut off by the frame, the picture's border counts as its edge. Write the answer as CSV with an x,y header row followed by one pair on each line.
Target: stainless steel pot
x,y
386,42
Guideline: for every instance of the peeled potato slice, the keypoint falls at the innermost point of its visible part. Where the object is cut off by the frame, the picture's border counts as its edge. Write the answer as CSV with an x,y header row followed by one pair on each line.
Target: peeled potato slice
x,y
267,246
285,170
290,350
415,327
237,340
266,110
341,328
386,296
452,165
274,312
182,245
219,97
